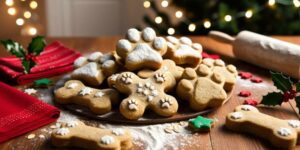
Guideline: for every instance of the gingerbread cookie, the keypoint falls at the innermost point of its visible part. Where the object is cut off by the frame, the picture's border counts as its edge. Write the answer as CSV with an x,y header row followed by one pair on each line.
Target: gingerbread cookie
x,y
202,88
98,101
146,94
77,134
281,133
183,51
229,72
167,65
94,69
142,50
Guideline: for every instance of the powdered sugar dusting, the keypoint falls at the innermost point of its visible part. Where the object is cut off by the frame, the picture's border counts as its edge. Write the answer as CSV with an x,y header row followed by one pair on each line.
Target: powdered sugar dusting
x,y
79,62
95,56
133,35
159,43
143,52
185,50
148,34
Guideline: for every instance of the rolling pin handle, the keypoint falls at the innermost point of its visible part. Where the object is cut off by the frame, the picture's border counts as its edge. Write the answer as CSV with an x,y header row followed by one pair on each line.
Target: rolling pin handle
x,y
221,37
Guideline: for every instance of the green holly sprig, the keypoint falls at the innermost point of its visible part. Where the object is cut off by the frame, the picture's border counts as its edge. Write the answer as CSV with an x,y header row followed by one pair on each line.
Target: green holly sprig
x,y
28,58
287,90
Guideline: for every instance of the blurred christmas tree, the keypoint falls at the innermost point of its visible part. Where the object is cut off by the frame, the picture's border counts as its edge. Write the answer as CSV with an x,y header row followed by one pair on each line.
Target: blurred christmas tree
x,y
231,16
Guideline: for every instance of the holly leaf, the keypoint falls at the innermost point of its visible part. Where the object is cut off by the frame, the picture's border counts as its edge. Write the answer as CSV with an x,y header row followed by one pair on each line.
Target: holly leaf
x,y
282,82
27,65
272,99
298,87
14,48
37,45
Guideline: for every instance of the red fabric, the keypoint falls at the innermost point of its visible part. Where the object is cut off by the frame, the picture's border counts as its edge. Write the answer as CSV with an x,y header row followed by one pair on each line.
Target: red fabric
x,y
212,56
21,113
54,60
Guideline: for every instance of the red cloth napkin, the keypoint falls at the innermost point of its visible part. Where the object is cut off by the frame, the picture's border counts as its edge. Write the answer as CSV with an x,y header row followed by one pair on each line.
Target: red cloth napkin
x,y
212,56
21,113
54,60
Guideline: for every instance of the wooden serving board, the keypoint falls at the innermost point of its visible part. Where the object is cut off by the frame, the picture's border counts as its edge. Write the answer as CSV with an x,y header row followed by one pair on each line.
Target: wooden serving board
x,y
184,113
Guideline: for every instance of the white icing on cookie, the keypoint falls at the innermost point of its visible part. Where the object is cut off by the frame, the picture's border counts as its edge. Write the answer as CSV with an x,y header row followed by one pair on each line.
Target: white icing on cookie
x,y
143,52
159,43
107,139
186,40
90,69
99,94
108,64
118,131
148,34
132,105
63,131
236,115
172,39
133,35
30,91
284,131
85,91
105,58
247,107
148,90
95,56
126,78
160,77
165,103
124,45
185,50
294,123
197,46
79,62
72,85
72,124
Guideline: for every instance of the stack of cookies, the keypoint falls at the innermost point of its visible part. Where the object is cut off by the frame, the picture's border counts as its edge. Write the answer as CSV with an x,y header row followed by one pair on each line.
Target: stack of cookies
x,y
146,69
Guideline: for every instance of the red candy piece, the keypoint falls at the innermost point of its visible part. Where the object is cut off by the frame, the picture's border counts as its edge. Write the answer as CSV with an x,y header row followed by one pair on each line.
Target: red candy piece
x,y
256,80
245,93
245,75
252,102
212,56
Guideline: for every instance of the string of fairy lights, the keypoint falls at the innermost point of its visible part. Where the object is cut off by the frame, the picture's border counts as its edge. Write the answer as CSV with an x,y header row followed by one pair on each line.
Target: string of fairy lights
x,y
23,15
207,22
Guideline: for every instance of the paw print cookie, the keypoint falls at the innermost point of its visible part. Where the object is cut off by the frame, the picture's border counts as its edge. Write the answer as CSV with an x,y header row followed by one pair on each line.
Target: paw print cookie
x,y
145,94
183,51
77,134
229,72
282,134
167,65
202,88
141,50
94,69
98,101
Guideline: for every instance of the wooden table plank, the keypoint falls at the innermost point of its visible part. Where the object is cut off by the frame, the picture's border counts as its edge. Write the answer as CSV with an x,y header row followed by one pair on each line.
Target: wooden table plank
x,y
219,137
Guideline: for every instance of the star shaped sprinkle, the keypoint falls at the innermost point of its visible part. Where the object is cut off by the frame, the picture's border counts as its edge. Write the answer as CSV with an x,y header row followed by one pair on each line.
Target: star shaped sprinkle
x,y
99,94
42,82
85,91
201,124
30,91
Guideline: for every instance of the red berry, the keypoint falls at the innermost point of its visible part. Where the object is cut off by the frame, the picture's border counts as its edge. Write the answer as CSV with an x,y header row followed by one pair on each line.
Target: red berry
x,y
245,93
292,93
256,80
286,96
245,75
252,102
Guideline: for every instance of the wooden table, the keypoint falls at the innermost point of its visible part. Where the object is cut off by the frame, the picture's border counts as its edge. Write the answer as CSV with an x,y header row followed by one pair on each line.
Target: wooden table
x,y
219,138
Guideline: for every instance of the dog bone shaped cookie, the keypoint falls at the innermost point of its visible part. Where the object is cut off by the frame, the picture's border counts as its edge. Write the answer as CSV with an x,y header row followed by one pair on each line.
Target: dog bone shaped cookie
x,y
229,72
167,65
142,50
98,101
77,134
202,88
281,133
183,51
146,94
94,69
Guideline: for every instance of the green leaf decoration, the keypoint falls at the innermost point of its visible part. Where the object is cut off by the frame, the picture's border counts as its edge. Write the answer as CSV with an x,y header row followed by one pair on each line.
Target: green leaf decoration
x,y
27,65
297,99
14,48
37,45
282,82
298,87
42,82
272,99
201,123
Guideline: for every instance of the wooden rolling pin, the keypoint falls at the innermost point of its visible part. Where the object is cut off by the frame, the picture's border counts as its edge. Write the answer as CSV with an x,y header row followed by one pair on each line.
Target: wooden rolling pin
x,y
263,51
